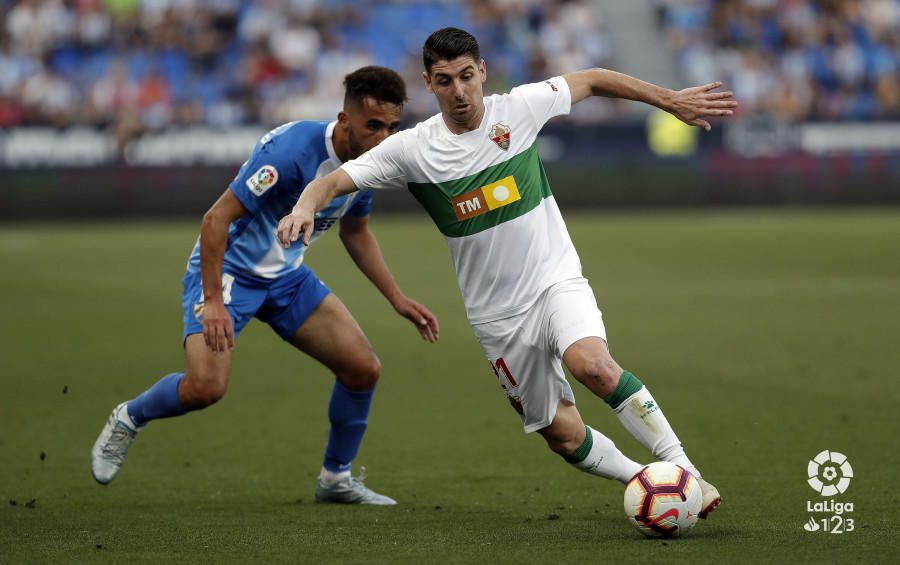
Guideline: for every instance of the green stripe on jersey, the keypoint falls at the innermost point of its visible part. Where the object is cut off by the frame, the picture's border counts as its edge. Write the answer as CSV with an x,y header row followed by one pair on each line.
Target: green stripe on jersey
x,y
530,181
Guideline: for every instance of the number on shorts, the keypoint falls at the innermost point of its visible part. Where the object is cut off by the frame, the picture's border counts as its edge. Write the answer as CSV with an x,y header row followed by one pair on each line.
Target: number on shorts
x,y
500,365
227,281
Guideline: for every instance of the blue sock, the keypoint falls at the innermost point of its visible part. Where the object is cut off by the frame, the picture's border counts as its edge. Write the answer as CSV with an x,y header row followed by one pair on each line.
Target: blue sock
x,y
158,401
348,411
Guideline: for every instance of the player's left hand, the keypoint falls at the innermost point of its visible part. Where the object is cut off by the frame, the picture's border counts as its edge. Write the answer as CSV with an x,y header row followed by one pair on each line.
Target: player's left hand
x,y
420,316
296,225
691,105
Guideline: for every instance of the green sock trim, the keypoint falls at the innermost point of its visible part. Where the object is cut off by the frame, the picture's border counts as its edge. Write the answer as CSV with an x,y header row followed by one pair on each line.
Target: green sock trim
x,y
628,385
582,452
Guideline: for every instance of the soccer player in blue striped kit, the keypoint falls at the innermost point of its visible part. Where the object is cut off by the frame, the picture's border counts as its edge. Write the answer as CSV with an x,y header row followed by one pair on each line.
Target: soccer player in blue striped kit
x,y
238,270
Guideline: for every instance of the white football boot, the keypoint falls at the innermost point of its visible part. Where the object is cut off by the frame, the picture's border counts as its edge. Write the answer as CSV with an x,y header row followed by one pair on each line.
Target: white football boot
x,y
711,498
108,453
350,490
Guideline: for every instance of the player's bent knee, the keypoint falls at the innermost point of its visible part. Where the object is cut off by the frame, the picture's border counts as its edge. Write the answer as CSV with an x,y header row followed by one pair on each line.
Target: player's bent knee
x,y
196,394
600,375
562,446
363,376
562,439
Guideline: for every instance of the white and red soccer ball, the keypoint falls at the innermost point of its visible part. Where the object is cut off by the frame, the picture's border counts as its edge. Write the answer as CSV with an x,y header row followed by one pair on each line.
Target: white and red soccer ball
x,y
663,500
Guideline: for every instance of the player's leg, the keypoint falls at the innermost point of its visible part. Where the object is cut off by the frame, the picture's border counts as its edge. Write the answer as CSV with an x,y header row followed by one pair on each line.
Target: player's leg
x,y
577,333
592,365
316,322
585,448
532,377
202,383
332,337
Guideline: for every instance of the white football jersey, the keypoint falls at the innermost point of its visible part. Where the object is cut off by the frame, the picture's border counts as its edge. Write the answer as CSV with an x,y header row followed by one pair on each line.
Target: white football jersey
x,y
487,192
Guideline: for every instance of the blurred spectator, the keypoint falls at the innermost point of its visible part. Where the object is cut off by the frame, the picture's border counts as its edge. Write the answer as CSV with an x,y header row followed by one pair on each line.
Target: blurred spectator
x,y
794,59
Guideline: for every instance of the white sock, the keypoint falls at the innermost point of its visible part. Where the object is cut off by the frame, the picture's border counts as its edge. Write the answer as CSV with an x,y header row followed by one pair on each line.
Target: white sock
x,y
122,416
604,459
329,478
643,418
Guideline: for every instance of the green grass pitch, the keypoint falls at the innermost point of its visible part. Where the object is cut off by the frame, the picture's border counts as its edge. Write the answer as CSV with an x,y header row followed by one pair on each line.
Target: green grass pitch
x,y
766,336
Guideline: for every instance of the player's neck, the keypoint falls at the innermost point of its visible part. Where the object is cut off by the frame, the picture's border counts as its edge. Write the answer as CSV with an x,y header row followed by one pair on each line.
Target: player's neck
x,y
341,142
457,128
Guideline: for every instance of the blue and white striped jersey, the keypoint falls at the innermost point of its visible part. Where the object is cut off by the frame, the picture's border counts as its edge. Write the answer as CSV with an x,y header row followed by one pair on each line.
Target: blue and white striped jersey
x,y
268,184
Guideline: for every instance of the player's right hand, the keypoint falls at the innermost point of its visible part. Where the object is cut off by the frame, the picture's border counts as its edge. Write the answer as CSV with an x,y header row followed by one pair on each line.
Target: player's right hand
x,y
691,105
218,330
297,224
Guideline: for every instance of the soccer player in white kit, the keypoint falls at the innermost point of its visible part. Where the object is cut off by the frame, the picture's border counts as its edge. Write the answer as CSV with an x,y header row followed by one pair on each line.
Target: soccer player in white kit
x,y
474,167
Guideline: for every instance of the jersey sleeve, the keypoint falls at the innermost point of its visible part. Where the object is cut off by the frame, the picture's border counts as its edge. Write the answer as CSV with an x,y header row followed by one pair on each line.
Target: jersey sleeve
x,y
546,99
362,206
383,166
262,175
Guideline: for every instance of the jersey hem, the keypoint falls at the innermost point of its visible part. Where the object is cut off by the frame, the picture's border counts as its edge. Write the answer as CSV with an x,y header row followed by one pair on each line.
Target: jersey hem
x,y
515,311
247,275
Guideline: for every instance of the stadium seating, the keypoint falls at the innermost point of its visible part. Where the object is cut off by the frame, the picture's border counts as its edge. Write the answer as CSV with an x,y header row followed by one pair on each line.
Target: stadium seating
x,y
794,59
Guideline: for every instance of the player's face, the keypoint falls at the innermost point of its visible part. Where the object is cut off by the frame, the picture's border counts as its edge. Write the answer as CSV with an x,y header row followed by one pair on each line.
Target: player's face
x,y
368,124
459,88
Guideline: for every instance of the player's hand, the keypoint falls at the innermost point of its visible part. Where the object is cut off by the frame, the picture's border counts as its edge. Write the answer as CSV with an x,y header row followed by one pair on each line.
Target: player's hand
x,y
691,105
420,316
297,224
218,330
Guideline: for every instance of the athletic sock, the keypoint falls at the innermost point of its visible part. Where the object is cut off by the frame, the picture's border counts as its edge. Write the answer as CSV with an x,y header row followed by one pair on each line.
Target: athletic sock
x,y
348,411
643,418
159,401
329,478
598,455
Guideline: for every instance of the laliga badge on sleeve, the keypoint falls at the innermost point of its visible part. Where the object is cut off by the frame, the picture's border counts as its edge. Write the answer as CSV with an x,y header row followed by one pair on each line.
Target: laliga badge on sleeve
x,y
262,180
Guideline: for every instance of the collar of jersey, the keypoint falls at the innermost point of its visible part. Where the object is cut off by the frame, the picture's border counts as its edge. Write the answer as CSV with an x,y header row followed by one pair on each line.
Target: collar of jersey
x,y
329,144
481,126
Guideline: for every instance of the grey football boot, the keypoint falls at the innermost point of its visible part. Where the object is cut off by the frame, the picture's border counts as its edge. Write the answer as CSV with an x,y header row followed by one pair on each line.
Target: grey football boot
x,y
351,490
108,453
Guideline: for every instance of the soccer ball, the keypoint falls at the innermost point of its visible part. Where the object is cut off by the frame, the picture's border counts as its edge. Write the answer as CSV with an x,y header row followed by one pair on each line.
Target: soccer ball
x,y
663,500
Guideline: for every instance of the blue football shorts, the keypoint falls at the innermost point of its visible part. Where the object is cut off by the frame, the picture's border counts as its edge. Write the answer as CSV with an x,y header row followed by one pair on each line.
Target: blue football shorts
x,y
283,303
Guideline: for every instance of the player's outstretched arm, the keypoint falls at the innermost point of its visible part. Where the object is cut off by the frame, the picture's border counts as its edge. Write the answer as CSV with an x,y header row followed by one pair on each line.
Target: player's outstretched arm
x,y
366,253
314,197
218,328
690,105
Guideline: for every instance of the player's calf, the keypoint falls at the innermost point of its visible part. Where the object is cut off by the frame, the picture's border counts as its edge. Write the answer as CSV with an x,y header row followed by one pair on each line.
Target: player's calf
x,y
586,449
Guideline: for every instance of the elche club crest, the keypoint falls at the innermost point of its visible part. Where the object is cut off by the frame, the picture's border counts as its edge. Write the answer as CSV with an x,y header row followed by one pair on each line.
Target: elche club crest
x,y
499,134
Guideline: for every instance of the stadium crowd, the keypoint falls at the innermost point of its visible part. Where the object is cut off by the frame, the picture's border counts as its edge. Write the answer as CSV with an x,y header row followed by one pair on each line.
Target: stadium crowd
x,y
142,65
137,66
795,59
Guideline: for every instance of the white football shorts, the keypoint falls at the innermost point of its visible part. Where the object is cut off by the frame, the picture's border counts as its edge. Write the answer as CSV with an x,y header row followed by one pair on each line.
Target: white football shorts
x,y
526,350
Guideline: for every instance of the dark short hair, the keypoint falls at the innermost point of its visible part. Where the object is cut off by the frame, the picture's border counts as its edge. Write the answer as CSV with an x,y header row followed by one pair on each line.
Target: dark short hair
x,y
380,83
449,43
